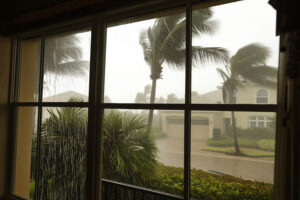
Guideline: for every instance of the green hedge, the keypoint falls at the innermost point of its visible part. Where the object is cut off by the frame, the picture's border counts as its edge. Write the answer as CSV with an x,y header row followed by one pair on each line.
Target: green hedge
x,y
207,186
252,133
246,143
268,145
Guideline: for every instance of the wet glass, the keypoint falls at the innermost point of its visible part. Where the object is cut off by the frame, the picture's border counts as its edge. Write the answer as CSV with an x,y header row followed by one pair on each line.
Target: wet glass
x,y
138,155
63,156
29,70
145,60
25,153
217,162
66,67
235,50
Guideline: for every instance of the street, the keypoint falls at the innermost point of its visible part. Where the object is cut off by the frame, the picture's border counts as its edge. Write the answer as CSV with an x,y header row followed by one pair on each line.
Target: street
x,y
258,169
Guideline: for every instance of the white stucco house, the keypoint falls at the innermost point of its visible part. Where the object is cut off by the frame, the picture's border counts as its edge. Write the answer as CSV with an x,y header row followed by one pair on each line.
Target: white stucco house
x,y
204,123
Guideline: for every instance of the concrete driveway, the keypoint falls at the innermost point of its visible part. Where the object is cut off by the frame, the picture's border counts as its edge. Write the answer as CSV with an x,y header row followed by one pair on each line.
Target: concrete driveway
x,y
171,153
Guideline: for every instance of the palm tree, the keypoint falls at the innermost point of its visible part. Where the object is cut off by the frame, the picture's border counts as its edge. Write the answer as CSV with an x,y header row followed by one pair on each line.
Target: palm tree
x,y
247,65
63,153
164,42
62,57
129,152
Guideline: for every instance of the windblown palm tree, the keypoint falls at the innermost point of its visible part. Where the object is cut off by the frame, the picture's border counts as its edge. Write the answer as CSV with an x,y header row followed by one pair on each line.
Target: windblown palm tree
x,y
164,42
62,57
247,65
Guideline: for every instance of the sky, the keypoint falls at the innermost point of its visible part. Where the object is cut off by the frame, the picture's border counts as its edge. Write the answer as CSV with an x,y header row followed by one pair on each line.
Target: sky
x,y
126,73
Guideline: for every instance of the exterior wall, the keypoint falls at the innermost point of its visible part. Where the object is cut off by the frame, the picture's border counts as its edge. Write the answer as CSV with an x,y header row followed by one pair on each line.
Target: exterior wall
x,y
5,45
247,95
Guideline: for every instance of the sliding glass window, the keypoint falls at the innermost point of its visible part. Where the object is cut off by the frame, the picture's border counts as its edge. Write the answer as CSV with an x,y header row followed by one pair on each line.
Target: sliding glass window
x,y
173,104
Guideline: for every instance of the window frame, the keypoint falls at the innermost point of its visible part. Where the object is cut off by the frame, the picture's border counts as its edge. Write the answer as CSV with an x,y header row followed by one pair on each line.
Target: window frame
x,y
96,105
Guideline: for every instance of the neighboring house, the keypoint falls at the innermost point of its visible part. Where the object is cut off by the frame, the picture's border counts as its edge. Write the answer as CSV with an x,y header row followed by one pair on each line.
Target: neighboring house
x,y
204,123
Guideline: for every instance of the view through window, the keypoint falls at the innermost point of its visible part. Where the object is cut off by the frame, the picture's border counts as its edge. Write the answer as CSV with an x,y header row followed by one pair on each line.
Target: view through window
x,y
233,88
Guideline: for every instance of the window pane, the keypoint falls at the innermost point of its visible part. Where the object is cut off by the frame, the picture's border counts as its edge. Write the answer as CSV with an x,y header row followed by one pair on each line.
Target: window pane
x,y
25,157
145,61
234,50
63,153
29,70
135,156
66,67
217,170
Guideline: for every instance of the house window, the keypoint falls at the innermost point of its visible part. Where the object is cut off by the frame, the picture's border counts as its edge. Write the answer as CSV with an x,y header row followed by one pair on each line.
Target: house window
x,y
73,109
260,121
262,97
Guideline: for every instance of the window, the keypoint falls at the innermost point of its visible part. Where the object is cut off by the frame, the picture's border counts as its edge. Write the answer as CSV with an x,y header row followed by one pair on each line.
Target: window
x,y
262,96
260,121
152,110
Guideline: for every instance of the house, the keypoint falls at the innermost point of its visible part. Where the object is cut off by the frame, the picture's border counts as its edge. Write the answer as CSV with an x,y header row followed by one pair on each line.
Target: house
x,y
205,123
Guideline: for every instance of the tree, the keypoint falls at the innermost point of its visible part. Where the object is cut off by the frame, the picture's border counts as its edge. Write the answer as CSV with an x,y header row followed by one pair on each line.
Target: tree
x,y
129,152
247,65
62,57
164,42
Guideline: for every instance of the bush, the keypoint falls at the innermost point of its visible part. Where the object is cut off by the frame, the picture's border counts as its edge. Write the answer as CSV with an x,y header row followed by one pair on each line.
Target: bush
x,y
252,133
207,186
268,145
246,143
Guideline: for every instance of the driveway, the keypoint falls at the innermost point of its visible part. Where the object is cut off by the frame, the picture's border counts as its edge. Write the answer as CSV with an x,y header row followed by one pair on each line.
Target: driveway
x,y
171,153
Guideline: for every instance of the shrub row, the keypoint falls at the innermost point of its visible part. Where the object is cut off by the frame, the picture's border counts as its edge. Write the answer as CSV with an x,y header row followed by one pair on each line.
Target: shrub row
x,y
264,144
207,186
246,143
252,133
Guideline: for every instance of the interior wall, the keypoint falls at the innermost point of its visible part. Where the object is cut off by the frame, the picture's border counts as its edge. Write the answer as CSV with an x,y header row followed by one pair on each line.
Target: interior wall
x,y
5,44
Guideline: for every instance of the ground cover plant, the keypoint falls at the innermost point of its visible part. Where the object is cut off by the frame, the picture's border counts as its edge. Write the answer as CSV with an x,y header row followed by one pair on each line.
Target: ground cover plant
x,y
208,186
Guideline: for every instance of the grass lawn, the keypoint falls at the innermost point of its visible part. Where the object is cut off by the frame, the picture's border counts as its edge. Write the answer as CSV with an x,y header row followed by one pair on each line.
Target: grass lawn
x,y
246,152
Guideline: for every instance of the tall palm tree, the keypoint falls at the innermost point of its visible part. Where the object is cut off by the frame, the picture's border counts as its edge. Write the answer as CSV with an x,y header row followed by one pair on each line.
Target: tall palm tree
x,y
164,42
62,57
247,65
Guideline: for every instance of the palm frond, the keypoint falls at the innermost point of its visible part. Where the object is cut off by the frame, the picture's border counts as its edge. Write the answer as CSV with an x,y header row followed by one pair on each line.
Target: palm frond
x,y
209,54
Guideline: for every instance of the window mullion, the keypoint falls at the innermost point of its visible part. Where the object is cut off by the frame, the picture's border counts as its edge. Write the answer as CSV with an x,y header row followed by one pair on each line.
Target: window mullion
x,y
187,112
39,124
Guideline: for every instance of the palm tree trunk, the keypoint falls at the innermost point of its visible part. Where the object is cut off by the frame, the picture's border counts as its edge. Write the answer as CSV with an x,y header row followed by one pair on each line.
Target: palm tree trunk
x,y
152,100
236,145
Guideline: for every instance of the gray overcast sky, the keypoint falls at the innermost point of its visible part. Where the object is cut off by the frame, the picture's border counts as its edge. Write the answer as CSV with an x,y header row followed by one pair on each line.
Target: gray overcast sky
x,y
239,24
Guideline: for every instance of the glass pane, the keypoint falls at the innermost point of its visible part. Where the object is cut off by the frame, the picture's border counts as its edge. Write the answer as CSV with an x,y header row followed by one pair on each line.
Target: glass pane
x,y
29,70
138,154
63,153
66,67
234,49
219,167
145,61
25,157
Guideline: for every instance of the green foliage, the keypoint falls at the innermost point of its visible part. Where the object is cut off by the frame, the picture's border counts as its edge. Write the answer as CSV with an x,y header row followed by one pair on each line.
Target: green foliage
x,y
246,143
208,186
267,145
244,151
252,133
129,151
63,153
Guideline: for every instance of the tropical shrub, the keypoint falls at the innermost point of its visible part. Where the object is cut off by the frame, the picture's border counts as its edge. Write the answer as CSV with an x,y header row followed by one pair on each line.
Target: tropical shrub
x,y
246,143
129,150
252,133
268,145
208,186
